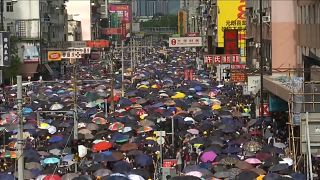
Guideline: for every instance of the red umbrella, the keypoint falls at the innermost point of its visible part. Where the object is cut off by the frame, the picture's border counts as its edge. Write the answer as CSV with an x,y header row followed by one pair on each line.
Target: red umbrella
x,y
116,98
101,146
52,177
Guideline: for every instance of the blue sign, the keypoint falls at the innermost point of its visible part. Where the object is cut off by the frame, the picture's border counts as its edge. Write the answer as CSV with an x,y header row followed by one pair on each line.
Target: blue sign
x,y
276,104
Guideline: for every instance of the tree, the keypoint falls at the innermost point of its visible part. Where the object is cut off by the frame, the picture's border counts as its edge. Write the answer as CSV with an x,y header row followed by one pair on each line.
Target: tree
x,y
15,63
164,21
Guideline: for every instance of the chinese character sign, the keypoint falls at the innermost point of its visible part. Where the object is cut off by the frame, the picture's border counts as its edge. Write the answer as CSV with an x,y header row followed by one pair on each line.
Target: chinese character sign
x,y
232,16
231,41
233,59
4,49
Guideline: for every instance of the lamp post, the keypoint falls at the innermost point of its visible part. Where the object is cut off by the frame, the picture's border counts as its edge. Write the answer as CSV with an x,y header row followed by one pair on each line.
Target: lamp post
x,y
194,23
261,62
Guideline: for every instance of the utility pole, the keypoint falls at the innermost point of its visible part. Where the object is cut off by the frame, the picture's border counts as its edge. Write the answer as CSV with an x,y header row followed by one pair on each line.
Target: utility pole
x,y
112,83
2,26
261,62
20,130
122,69
75,109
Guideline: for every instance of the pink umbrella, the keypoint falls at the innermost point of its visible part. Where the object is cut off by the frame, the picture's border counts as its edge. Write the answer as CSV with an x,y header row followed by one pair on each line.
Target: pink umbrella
x,y
193,131
208,156
253,161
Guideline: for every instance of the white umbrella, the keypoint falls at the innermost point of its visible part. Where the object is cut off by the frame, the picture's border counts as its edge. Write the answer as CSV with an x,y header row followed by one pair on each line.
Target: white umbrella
x,y
56,106
288,161
91,104
52,129
135,177
82,150
55,151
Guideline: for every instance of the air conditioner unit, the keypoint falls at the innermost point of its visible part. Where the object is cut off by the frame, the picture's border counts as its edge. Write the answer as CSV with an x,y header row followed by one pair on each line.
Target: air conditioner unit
x,y
266,19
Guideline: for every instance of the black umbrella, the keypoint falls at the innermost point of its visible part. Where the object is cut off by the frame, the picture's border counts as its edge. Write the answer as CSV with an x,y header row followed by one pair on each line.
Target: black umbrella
x,y
278,167
185,178
246,175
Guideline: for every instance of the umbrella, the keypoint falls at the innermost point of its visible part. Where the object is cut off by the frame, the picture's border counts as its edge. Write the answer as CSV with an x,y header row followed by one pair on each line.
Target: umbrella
x,y
193,131
288,161
129,147
278,167
243,165
51,160
223,174
69,176
143,160
27,174
252,146
185,178
52,177
253,161
121,167
102,172
144,129
33,165
4,176
99,120
116,126
246,175
84,131
101,146
56,106
208,156
135,177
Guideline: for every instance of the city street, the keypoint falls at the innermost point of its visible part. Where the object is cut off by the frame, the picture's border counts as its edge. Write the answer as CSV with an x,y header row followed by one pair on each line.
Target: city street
x,y
172,121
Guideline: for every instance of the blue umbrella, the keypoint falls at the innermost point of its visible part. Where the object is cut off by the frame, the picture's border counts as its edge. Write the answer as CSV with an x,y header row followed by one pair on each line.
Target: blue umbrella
x,y
26,111
51,160
119,137
143,160
61,91
121,167
5,176
124,102
55,139
232,149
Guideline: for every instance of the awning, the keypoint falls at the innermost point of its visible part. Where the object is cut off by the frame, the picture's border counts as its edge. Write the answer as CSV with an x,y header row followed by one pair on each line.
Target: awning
x,y
29,69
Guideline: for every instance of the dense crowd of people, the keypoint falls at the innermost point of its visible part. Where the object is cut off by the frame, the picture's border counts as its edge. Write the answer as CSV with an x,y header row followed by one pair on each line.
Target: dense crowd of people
x,y
215,134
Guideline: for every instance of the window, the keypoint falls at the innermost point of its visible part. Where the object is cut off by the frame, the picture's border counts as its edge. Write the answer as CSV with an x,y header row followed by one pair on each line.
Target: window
x,y
9,6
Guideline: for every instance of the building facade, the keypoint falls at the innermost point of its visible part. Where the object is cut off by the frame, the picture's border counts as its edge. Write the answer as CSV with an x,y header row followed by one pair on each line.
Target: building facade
x,y
74,29
193,10
40,25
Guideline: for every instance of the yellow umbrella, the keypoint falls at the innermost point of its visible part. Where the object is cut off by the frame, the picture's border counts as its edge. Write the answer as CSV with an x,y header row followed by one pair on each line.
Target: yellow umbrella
x,y
152,138
44,125
197,145
178,95
246,110
260,177
143,87
216,107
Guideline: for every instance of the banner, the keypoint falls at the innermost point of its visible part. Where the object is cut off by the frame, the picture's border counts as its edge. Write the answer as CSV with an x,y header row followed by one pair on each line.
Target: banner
x,y
54,55
4,49
182,22
30,53
98,44
112,31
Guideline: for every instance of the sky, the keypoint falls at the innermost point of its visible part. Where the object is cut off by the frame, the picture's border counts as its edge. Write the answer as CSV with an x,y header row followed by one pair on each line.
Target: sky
x,y
81,11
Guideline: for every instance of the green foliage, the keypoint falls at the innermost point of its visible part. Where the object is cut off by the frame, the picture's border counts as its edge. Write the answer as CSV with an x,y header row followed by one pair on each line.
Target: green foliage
x,y
13,69
164,21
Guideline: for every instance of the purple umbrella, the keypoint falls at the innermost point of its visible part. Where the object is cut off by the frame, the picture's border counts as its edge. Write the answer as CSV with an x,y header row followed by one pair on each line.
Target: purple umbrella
x,y
208,156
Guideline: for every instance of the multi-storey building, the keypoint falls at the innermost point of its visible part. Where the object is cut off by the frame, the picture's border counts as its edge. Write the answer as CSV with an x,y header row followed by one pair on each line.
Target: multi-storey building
x,y
74,29
192,8
40,25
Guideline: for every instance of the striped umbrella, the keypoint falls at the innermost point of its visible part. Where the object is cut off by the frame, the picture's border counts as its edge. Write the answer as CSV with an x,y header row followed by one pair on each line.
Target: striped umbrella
x,y
116,126
144,129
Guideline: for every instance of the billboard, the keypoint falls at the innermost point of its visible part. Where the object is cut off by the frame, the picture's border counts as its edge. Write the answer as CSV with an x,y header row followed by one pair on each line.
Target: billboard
x,y
30,53
182,22
98,44
231,41
54,56
4,49
231,16
185,42
123,11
